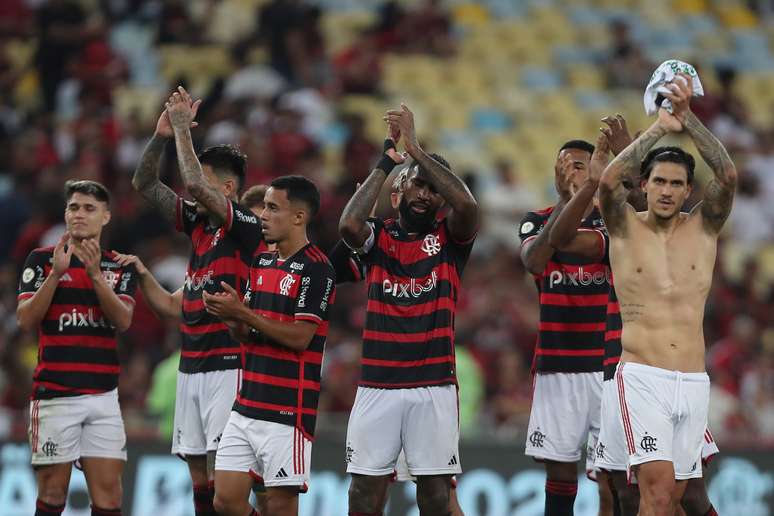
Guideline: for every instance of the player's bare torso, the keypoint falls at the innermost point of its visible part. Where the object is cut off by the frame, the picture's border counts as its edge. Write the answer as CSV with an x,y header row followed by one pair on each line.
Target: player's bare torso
x,y
662,280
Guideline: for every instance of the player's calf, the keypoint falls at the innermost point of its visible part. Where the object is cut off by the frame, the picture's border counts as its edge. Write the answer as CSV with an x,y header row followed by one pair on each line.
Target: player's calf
x,y
561,487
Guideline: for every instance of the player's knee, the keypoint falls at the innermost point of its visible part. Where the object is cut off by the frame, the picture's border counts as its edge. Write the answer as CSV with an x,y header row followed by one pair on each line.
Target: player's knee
x,y
281,506
660,501
629,501
223,505
561,471
53,494
107,493
433,500
363,495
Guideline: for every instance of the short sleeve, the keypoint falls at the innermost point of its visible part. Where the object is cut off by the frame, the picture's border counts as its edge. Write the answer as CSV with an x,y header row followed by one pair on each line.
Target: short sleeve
x,y
244,226
461,250
127,285
187,216
346,263
33,274
531,226
316,293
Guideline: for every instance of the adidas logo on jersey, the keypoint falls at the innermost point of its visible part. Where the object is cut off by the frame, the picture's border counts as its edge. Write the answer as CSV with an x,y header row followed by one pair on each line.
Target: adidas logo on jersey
x,y
453,461
281,474
66,277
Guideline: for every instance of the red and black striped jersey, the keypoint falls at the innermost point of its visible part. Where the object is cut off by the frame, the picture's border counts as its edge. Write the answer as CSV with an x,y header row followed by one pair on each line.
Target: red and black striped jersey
x,y
280,384
573,302
413,287
613,347
76,343
347,264
218,254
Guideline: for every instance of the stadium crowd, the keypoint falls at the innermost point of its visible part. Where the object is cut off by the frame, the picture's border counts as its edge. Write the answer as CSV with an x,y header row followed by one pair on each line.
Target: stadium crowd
x,y
63,114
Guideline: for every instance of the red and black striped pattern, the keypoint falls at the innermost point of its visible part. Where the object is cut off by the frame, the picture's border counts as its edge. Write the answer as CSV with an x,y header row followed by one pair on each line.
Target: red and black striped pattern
x,y
76,343
280,384
413,288
573,302
613,347
218,254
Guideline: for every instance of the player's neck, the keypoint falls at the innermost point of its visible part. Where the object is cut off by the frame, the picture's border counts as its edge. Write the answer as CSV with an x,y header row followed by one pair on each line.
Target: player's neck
x,y
660,224
291,245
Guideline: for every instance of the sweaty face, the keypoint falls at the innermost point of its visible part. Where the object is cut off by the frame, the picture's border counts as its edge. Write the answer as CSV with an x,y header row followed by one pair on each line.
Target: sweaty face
x,y
667,189
419,203
279,215
580,167
85,216
223,184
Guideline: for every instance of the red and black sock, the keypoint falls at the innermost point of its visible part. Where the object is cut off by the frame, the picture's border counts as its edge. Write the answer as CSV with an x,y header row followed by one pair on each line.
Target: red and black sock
x,y
711,512
203,496
44,509
560,498
97,511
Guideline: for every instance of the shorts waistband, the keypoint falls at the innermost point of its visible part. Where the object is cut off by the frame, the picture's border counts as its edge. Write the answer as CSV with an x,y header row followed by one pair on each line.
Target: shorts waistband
x,y
663,373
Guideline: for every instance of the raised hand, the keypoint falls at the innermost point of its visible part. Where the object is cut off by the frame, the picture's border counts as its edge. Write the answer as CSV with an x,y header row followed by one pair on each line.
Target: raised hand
x,y
180,110
61,258
563,173
393,133
88,252
681,91
125,259
403,119
601,156
618,137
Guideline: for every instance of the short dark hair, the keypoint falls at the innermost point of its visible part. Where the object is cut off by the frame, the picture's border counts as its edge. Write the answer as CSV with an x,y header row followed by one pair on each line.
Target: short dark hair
x,y
253,196
299,188
226,159
579,145
667,154
87,187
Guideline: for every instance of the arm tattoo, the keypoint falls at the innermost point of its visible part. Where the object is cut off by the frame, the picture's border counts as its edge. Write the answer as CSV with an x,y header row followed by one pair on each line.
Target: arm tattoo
x,y
191,170
625,166
146,179
357,210
464,217
719,193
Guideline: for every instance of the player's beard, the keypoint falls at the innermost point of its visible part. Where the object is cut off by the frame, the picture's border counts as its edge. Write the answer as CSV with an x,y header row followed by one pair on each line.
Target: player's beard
x,y
414,222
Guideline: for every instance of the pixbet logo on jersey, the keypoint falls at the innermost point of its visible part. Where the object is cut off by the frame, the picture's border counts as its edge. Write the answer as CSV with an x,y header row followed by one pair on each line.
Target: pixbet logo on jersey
x,y
578,278
412,288
78,319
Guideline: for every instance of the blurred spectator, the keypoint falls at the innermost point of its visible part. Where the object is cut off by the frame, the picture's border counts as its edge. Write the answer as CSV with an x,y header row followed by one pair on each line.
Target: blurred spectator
x,y
626,66
62,30
360,66
731,356
359,153
758,387
751,220
427,30
504,203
